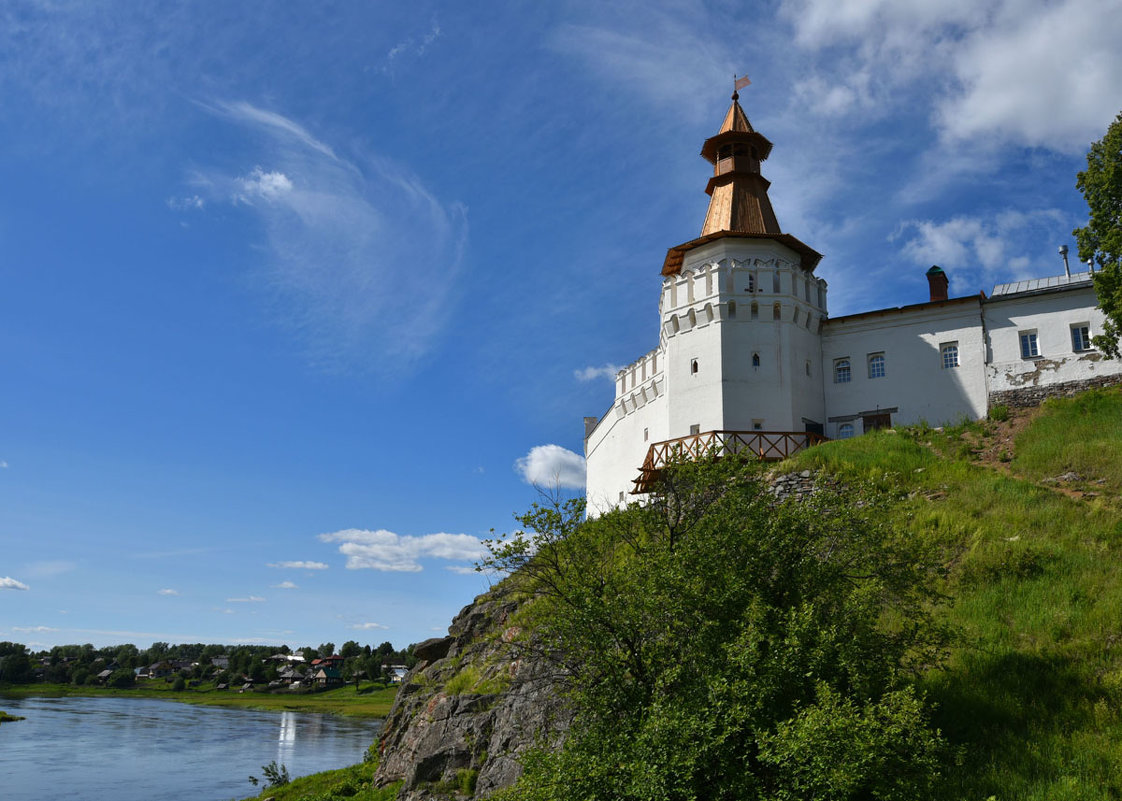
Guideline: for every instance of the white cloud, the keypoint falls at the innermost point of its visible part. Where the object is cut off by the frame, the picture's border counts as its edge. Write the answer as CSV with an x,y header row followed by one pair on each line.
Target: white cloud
x,y
552,466
592,373
285,585
463,570
1032,72
7,583
385,550
369,627
193,203
338,233
268,186
252,599
412,46
3,465
989,243
33,629
299,565
168,591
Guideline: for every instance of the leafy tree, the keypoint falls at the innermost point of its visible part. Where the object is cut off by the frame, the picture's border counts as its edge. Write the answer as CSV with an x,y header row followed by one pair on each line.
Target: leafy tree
x,y
716,644
1101,239
350,649
15,668
121,679
327,649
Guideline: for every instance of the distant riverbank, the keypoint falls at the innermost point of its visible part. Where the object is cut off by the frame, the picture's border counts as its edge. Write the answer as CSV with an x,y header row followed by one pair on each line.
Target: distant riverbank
x,y
367,701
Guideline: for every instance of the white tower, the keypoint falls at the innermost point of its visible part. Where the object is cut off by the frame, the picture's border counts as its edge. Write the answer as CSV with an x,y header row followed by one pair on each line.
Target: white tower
x,y
739,347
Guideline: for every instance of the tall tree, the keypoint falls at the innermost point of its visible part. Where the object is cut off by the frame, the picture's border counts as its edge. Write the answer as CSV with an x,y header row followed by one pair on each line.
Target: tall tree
x,y
1100,240
716,644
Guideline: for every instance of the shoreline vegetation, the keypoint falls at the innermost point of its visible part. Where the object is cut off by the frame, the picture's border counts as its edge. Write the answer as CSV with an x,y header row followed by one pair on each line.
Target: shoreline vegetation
x,y
371,701
6,718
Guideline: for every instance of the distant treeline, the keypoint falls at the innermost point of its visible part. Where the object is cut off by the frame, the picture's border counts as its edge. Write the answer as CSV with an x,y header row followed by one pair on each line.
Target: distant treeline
x,y
126,664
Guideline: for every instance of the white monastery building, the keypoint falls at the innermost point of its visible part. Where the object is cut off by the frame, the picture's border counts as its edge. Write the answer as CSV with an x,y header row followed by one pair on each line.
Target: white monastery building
x,y
748,357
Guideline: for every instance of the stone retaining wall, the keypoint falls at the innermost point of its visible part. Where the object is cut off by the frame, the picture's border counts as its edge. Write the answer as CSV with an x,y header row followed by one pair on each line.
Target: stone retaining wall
x,y
1023,397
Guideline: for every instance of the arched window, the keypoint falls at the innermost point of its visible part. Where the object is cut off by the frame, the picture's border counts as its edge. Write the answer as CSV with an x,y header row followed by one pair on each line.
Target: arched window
x,y
755,360
693,366
845,431
876,365
841,371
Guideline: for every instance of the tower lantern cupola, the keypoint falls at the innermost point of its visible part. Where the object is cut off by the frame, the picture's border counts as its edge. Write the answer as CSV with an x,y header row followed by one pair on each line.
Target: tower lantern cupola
x,y
738,203
738,200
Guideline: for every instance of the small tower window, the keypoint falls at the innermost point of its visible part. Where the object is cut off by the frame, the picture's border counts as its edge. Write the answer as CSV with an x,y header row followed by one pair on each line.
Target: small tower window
x,y
795,316
808,367
732,309
695,429
693,365
644,435
755,360
755,311
751,282
776,311
775,283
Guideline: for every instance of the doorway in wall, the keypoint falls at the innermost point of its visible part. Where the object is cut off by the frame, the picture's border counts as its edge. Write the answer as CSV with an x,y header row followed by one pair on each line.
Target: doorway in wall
x,y
874,421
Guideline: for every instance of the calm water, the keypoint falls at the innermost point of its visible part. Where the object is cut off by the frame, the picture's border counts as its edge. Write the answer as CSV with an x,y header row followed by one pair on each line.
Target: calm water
x,y
126,749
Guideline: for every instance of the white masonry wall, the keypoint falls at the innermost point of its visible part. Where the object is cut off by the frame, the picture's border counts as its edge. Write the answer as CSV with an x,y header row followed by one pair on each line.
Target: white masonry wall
x,y
1051,315
915,382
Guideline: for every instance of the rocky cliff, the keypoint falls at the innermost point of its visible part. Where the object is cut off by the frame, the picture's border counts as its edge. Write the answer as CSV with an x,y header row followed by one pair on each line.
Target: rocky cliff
x,y
473,704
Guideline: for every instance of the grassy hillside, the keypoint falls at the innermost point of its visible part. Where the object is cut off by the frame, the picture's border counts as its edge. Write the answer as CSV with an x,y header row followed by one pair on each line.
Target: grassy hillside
x,y
1029,514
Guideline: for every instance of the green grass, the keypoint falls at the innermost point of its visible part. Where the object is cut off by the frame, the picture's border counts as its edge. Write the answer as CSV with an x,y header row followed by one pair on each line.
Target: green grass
x,y
352,783
1081,434
371,701
1031,692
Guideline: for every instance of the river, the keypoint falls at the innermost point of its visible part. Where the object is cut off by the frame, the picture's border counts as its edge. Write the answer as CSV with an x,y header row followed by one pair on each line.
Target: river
x,y
139,749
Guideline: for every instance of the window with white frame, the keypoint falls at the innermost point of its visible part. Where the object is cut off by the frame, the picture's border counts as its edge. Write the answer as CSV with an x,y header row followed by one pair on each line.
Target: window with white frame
x,y
845,431
1029,347
1081,337
876,365
842,372
949,353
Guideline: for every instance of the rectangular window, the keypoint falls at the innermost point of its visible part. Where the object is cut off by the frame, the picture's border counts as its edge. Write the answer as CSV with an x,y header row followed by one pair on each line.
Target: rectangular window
x,y
695,429
1081,337
876,365
757,425
949,352
841,371
1029,348
644,435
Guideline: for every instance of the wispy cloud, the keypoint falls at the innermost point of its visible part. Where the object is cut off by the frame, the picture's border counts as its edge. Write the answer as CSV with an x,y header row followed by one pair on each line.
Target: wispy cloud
x,y
297,565
552,466
593,373
1032,72
167,591
463,570
249,599
984,247
285,585
8,583
49,569
414,46
33,629
337,232
192,203
369,627
3,465
387,551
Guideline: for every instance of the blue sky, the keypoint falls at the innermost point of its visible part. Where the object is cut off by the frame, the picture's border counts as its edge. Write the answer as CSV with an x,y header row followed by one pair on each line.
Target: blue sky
x,y
299,299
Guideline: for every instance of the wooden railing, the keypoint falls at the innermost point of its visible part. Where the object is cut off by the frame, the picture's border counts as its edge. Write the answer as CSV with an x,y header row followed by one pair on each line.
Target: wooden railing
x,y
767,446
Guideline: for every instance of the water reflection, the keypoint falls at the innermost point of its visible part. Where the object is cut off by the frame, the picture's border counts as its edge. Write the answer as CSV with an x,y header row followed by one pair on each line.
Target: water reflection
x,y
124,749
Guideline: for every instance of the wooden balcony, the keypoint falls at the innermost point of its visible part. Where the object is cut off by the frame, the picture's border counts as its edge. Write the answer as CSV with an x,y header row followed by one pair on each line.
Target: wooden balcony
x,y
767,446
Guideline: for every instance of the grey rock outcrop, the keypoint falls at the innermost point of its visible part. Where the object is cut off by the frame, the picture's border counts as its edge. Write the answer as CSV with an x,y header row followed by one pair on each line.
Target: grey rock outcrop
x,y
467,712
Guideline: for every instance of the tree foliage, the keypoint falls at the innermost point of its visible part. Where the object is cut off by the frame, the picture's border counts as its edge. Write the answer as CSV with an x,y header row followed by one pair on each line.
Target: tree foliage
x,y
1100,240
716,644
